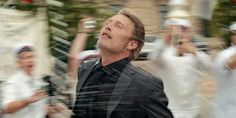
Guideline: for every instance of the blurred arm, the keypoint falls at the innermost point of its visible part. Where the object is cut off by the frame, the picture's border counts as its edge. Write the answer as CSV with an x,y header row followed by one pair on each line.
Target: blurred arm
x,y
231,62
220,65
17,105
78,46
157,52
159,48
203,60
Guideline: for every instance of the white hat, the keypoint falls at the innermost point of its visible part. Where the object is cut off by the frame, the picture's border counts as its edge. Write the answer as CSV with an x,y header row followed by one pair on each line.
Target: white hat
x,y
21,45
169,22
233,27
177,21
184,23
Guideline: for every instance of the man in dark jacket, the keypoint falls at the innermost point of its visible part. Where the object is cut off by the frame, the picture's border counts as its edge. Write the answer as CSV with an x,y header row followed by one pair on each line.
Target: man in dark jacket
x,y
111,87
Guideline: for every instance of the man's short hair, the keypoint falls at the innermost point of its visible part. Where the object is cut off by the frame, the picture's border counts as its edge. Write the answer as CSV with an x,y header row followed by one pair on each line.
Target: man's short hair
x,y
25,49
138,32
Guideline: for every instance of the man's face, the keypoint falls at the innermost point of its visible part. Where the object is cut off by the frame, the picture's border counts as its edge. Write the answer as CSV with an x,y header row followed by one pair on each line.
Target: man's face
x,y
182,44
26,61
175,33
181,31
115,34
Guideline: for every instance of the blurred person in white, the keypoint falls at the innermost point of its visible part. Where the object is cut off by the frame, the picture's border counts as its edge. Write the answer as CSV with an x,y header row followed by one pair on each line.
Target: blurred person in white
x,y
180,64
21,94
224,69
111,87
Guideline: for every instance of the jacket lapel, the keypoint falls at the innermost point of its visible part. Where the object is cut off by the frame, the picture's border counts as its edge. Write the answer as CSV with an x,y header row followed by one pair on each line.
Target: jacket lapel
x,y
88,68
121,86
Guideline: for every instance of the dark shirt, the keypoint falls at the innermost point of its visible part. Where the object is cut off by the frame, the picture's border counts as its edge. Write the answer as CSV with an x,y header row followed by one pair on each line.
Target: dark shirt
x,y
95,94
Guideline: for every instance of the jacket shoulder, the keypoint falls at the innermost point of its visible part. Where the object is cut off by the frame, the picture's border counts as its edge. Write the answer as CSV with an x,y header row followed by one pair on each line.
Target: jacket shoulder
x,y
88,63
146,79
85,64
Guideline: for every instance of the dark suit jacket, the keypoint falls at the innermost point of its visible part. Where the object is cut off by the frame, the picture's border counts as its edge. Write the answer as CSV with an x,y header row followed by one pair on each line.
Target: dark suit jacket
x,y
137,94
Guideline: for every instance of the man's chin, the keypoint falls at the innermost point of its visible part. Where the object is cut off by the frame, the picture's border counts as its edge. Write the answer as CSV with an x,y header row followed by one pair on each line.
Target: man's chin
x,y
30,68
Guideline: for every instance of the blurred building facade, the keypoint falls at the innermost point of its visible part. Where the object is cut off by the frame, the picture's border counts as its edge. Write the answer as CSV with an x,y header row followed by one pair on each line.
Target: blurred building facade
x,y
153,13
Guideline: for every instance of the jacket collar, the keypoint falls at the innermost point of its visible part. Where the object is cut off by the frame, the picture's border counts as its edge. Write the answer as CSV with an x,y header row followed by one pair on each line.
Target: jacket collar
x,y
121,87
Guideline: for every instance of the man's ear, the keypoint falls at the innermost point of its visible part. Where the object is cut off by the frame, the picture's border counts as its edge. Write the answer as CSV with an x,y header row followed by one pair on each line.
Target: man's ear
x,y
132,45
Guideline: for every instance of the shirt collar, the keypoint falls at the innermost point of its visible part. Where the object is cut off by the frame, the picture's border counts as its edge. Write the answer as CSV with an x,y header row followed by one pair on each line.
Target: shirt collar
x,y
117,66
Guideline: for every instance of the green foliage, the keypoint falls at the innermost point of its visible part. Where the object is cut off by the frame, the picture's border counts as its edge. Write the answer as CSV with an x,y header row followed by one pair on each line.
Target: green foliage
x,y
224,15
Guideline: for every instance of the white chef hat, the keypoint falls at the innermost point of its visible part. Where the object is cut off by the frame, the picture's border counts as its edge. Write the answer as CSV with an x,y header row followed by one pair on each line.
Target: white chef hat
x,y
233,26
22,47
177,21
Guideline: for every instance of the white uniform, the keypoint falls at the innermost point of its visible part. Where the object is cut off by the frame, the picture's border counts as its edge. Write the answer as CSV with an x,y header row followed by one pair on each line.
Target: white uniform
x,y
21,86
224,105
180,75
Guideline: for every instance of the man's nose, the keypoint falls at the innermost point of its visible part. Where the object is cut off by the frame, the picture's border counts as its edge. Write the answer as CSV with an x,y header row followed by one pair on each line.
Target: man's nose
x,y
108,28
30,60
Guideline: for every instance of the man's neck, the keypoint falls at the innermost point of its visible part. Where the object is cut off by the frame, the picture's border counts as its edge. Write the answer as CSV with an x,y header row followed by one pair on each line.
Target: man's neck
x,y
27,72
108,59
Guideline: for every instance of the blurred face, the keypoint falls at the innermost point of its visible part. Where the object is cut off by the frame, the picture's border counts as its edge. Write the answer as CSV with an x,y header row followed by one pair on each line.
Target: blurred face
x,y
181,45
26,61
183,32
115,34
233,37
175,33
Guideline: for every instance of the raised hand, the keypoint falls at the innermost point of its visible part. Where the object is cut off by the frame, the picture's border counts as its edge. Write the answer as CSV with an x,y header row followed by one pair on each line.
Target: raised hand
x,y
186,46
37,96
82,27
